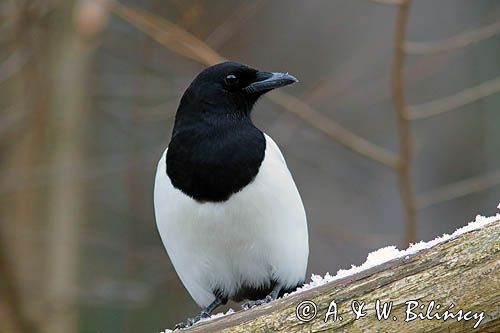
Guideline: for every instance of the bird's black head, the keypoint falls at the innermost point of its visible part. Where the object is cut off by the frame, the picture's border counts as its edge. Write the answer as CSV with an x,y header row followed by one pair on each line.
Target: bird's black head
x,y
215,149
230,88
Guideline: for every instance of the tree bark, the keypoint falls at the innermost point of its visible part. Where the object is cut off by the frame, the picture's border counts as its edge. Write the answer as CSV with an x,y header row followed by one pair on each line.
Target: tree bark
x,y
464,271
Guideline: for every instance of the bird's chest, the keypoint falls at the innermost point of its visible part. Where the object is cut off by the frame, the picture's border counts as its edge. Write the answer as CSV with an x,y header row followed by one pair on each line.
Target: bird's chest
x,y
211,167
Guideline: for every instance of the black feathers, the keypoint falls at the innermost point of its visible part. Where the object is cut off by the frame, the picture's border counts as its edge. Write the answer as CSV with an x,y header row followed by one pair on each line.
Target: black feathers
x,y
210,163
215,149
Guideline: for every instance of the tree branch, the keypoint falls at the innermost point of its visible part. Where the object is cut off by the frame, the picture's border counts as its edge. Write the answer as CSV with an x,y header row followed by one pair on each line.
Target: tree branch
x,y
462,270
454,101
461,40
458,189
404,127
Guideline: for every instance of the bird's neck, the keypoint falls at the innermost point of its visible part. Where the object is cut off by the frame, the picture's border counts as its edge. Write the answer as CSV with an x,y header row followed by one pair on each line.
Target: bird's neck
x,y
209,123
212,158
199,110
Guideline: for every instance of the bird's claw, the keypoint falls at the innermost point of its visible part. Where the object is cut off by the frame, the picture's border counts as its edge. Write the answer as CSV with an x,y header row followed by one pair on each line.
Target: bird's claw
x,y
191,321
185,324
250,304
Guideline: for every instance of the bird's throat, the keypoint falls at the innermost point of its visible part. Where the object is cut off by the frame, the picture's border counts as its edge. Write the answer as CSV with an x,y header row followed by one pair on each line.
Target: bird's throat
x,y
211,163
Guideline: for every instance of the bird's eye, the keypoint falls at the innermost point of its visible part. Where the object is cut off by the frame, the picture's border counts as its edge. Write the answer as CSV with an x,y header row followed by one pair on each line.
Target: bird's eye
x,y
231,80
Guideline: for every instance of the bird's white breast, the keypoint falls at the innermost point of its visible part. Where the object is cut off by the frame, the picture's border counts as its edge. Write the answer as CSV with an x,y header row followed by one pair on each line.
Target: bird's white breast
x,y
258,234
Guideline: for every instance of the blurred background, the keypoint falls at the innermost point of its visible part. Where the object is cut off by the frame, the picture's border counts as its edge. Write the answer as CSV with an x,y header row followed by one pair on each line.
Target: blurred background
x,y
392,135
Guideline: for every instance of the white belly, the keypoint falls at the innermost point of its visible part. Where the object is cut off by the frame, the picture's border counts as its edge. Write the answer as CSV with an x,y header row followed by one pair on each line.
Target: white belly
x,y
259,234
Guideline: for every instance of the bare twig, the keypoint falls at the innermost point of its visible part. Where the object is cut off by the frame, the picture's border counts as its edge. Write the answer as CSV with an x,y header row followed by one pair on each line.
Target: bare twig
x,y
404,126
333,129
454,101
184,43
167,34
460,40
458,189
240,16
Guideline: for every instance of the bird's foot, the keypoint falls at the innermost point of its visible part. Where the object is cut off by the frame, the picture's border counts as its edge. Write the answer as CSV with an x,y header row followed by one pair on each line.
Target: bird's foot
x,y
250,304
191,321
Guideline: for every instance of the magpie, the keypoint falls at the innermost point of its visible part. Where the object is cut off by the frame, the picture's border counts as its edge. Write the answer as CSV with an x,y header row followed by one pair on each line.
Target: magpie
x,y
227,209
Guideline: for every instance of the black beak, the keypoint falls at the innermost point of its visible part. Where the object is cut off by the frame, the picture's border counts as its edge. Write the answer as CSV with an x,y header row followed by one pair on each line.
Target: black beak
x,y
270,80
